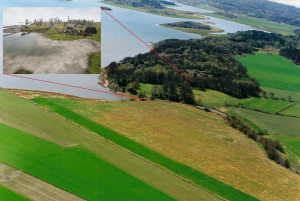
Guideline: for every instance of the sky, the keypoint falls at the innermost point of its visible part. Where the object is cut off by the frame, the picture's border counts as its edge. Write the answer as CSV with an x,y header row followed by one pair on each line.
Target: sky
x,y
295,3
13,15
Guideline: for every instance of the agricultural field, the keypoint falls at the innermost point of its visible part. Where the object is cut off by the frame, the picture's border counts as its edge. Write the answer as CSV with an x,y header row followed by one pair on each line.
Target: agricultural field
x,y
144,122
275,124
272,71
292,145
212,98
8,195
20,113
73,169
31,187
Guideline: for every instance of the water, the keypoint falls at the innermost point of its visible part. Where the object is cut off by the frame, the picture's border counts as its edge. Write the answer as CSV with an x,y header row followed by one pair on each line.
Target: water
x,y
17,45
117,43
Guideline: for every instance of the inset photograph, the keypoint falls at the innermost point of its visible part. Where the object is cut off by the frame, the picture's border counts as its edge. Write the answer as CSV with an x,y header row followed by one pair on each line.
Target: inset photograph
x,y
42,40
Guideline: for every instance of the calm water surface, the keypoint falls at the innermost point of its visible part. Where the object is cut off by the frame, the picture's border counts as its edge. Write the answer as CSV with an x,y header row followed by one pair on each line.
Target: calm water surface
x,y
117,43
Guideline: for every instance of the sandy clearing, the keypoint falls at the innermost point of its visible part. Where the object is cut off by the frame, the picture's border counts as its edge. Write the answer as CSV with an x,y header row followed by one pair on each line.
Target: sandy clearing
x,y
31,187
72,57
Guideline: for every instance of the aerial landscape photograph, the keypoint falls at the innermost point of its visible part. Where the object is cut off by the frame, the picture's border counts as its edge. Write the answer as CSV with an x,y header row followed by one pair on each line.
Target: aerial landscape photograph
x,y
52,40
191,100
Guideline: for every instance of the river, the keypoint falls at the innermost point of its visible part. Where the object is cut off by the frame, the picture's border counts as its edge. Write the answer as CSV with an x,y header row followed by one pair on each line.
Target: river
x,y
117,43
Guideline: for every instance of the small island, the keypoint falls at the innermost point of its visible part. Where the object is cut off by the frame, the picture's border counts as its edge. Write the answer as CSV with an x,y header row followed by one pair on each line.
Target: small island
x,y
192,27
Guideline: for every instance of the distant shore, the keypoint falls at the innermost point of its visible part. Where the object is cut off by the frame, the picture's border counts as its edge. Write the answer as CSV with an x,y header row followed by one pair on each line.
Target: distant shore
x,y
12,29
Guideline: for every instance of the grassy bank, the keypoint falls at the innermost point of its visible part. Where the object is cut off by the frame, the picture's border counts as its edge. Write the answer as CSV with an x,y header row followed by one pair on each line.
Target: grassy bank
x,y
94,64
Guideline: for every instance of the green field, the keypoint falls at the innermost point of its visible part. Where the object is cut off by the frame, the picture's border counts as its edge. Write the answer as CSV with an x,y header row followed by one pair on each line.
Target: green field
x,y
212,98
30,118
272,71
275,124
283,93
261,24
30,29
147,88
292,145
64,37
95,64
189,173
74,169
51,31
8,195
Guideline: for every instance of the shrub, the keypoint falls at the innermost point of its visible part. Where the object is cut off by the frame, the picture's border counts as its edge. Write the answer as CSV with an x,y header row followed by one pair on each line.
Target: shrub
x,y
273,154
207,109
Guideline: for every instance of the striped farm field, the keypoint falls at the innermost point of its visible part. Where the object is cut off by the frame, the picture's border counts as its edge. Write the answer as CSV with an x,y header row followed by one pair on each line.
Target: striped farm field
x,y
157,130
26,116
73,169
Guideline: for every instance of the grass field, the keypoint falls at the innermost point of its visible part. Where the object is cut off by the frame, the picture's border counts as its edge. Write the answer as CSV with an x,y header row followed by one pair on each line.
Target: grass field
x,y
8,195
283,93
21,114
162,127
31,28
147,88
275,124
74,169
197,31
64,37
273,71
261,24
32,187
95,64
212,98
293,148
51,31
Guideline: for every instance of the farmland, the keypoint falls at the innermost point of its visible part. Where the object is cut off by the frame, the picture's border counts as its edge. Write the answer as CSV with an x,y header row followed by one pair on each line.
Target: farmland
x,y
74,169
152,124
20,114
212,98
272,71
275,124
200,32
292,145
7,195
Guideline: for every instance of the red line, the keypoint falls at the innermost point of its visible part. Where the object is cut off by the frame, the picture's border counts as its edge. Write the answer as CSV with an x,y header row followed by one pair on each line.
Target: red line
x,y
147,45
73,86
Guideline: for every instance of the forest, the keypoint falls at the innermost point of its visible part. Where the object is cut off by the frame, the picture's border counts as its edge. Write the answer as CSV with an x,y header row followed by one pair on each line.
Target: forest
x,y
208,62
188,24
268,10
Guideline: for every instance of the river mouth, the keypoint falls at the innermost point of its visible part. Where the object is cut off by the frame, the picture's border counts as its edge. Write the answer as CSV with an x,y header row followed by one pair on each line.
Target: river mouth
x,y
38,54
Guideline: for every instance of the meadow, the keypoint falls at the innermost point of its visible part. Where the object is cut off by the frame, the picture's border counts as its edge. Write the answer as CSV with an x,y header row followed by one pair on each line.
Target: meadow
x,y
272,71
95,64
275,124
8,195
210,98
73,169
292,145
25,116
162,127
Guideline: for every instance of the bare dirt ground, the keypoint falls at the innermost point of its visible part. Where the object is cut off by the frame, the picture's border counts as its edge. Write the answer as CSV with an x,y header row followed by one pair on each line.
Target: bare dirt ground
x,y
72,57
32,187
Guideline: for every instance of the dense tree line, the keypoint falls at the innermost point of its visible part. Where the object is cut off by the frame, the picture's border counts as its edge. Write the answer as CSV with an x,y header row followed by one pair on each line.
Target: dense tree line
x,y
188,24
268,10
208,62
291,53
